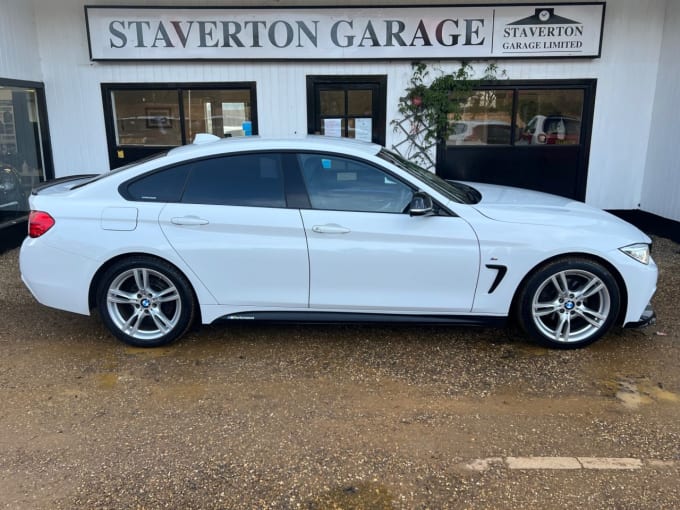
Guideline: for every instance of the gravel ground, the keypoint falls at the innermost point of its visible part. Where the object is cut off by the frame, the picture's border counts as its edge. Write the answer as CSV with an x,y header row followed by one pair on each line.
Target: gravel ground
x,y
317,417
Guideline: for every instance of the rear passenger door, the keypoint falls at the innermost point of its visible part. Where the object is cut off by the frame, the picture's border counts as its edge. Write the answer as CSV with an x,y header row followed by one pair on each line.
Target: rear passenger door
x,y
233,228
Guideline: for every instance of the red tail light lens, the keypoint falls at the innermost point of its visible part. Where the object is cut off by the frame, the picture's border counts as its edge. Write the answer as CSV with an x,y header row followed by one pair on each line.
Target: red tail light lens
x,y
38,223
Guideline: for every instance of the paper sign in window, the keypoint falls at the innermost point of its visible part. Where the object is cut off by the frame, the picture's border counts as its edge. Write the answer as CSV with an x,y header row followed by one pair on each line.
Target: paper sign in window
x,y
363,129
332,127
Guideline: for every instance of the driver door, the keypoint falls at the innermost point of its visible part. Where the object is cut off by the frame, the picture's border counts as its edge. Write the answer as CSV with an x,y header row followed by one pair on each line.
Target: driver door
x,y
366,253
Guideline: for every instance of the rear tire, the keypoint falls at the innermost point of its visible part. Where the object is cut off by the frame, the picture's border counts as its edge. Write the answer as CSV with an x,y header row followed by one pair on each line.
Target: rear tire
x,y
145,302
569,303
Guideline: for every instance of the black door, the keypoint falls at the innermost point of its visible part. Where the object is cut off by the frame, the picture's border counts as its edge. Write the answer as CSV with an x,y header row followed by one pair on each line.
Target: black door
x,y
350,107
529,135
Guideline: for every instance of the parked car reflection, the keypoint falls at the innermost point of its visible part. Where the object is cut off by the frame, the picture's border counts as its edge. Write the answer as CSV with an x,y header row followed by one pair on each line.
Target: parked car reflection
x,y
12,193
551,130
480,133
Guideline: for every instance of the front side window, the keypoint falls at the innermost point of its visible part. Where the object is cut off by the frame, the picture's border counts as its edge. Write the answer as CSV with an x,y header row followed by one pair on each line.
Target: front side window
x,y
254,180
344,184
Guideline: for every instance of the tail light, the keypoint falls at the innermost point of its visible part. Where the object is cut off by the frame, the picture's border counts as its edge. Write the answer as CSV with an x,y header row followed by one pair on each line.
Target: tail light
x,y
38,223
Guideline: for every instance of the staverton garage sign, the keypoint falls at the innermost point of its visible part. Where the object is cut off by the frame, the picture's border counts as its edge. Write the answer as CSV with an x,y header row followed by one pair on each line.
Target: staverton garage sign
x,y
435,32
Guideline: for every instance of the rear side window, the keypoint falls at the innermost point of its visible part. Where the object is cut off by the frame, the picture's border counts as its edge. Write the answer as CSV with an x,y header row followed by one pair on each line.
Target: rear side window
x,y
254,180
162,186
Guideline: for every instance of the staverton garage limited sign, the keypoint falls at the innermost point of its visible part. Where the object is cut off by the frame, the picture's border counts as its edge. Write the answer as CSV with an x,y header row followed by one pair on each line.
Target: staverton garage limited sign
x,y
431,32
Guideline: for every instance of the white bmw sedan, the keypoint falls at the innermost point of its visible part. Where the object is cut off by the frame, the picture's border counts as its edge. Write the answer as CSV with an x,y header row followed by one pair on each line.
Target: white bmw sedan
x,y
326,230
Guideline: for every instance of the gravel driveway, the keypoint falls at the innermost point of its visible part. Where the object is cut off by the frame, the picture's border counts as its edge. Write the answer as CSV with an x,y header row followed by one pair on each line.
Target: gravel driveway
x,y
316,417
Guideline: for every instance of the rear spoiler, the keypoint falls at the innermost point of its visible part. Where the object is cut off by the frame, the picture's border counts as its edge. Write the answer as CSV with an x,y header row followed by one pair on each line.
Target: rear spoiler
x,y
62,180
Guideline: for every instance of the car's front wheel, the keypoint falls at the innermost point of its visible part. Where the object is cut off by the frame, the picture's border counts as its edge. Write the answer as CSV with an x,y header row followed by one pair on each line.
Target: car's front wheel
x,y
145,302
569,303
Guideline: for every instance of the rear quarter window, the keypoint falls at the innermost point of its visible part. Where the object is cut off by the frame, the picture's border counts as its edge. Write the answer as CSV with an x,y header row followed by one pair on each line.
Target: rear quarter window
x,y
161,186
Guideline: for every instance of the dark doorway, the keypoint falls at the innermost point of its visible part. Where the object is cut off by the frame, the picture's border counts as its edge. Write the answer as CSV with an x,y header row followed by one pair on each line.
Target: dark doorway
x,y
25,154
347,106
144,119
533,135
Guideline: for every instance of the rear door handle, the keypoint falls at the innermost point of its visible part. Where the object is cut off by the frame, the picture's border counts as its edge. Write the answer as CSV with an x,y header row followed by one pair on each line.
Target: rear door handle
x,y
331,228
189,220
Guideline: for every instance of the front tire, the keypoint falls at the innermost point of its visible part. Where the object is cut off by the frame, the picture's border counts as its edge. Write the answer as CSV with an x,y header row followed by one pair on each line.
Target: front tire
x,y
145,302
569,303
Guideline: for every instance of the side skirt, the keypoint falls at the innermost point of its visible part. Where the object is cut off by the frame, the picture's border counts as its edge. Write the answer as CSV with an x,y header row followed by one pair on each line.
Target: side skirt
x,y
366,318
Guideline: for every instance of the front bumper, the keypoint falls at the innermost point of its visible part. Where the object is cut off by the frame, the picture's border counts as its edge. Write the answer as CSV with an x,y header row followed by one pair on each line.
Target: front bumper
x,y
647,318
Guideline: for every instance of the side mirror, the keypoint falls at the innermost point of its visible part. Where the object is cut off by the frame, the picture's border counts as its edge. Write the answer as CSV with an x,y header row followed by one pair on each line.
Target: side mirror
x,y
421,204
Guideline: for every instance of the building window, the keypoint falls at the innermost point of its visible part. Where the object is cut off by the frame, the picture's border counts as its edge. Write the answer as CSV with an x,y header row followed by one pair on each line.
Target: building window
x,y
528,134
25,159
347,106
143,119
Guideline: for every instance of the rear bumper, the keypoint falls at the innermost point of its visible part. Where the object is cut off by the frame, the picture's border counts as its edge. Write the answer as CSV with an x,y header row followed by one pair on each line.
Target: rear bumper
x,y
647,318
56,278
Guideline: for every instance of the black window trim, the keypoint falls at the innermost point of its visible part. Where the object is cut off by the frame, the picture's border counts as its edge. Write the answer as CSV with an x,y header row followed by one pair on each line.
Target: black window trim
x,y
125,193
295,190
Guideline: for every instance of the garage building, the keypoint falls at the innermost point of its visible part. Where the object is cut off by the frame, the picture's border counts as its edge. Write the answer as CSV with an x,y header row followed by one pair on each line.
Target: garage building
x,y
586,104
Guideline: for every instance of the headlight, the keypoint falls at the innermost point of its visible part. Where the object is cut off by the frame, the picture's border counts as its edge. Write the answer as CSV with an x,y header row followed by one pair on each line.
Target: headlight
x,y
639,252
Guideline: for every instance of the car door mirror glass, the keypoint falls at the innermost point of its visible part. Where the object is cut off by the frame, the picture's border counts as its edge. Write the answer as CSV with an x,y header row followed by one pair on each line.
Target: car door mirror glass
x,y
421,204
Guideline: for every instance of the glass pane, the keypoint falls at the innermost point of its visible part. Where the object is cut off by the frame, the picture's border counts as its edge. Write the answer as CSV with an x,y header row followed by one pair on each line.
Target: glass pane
x,y
21,158
332,102
485,119
164,186
147,118
218,112
254,180
360,103
549,117
340,184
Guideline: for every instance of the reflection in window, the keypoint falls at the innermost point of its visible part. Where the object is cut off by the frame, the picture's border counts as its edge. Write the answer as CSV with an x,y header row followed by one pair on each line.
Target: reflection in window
x,y
549,117
218,112
254,180
332,102
485,119
342,184
544,117
21,155
151,117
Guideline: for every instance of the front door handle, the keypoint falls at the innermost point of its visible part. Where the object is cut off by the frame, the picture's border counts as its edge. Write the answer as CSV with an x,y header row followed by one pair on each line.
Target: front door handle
x,y
189,220
331,228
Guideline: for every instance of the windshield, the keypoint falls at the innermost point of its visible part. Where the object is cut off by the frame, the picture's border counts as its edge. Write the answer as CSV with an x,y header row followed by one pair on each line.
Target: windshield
x,y
455,191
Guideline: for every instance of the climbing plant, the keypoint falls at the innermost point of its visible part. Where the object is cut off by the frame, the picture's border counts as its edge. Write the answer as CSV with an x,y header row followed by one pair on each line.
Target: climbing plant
x,y
429,105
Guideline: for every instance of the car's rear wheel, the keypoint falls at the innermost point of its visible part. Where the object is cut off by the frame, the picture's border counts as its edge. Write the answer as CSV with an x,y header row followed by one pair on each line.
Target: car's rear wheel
x,y
569,303
145,302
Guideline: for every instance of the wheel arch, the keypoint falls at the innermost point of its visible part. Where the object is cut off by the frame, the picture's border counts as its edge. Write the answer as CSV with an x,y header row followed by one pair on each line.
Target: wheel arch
x,y
96,279
623,290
